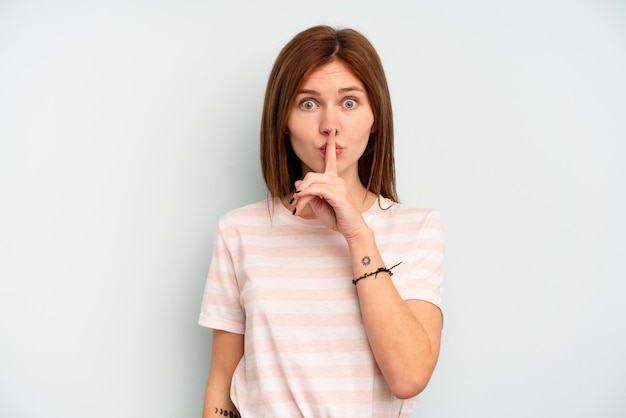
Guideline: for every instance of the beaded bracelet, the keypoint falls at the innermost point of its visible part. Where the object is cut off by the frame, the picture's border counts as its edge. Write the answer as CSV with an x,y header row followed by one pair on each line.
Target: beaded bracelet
x,y
375,273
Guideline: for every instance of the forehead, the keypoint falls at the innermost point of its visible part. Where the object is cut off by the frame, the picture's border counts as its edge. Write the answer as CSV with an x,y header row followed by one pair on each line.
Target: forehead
x,y
335,72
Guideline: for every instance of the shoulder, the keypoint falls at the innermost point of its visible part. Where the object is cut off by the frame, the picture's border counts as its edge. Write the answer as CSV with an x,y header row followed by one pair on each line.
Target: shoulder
x,y
260,208
405,216
257,213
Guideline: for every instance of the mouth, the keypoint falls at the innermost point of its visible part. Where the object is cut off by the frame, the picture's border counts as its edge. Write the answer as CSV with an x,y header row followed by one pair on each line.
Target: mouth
x,y
338,150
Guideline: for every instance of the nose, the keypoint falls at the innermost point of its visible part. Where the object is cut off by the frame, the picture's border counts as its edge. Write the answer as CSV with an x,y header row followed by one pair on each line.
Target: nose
x,y
329,121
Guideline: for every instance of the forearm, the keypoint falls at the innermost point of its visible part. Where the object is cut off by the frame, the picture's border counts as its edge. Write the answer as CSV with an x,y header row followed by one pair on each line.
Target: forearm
x,y
400,343
217,404
227,349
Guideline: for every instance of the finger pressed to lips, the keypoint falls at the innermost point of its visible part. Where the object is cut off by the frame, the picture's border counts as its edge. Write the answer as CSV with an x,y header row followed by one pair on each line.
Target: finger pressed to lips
x,y
331,157
330,152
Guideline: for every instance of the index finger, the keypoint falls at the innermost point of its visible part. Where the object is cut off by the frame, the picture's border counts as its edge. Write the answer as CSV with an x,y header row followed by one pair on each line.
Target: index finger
x,y
331,154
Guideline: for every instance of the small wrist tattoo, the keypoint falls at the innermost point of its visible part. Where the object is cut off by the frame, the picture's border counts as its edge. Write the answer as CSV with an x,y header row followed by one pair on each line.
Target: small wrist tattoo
x,y
366,260
225,413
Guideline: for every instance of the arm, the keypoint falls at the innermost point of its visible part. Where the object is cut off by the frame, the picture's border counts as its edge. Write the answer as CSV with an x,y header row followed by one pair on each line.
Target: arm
x,y
226,352
404,335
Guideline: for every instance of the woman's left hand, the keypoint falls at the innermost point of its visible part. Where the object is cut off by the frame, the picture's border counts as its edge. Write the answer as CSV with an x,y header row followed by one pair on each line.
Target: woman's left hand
x,y
328,197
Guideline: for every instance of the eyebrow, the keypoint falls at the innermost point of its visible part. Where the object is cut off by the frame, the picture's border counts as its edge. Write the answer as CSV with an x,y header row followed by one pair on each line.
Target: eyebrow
x,y
351,88
341,90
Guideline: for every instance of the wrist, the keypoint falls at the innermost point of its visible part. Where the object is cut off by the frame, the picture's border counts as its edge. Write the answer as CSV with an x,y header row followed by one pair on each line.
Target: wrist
x,y
363,236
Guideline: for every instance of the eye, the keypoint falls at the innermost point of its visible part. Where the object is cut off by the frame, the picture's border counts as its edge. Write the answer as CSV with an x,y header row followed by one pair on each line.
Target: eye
x,y
349,103
307,104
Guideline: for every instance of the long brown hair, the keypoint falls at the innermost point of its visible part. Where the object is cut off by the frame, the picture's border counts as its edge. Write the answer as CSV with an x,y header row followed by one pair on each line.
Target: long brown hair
x,y
307,51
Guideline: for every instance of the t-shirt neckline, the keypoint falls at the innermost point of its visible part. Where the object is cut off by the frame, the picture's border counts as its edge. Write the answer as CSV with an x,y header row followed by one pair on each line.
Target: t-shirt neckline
x,y
314,222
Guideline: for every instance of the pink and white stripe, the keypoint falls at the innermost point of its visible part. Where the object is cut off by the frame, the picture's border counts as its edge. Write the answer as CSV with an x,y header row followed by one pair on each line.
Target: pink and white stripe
x,y
286,284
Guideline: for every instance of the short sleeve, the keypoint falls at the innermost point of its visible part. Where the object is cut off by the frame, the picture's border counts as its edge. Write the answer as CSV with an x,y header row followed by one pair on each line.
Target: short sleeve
x,y
425,278
221,307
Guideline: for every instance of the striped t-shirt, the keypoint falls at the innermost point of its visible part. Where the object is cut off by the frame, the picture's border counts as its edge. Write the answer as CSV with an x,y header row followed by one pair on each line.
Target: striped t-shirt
x,y
286,283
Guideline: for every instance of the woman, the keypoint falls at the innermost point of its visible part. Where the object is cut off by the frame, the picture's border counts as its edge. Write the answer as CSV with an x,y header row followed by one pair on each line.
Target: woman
x,y
325,299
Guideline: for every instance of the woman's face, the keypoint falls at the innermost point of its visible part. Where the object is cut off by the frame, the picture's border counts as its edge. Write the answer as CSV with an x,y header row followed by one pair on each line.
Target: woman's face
x,y
331,98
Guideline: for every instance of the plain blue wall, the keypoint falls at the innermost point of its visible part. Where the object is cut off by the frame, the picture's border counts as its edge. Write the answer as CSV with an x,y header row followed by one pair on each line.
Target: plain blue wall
x,y
128,127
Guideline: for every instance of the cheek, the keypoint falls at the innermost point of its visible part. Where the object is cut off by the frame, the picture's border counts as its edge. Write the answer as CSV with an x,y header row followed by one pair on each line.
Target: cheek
x,y
371,123
298,146
296,141
366,127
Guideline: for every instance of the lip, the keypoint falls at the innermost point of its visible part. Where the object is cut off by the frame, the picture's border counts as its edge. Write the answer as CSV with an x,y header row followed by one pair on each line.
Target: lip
x,y
338,150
